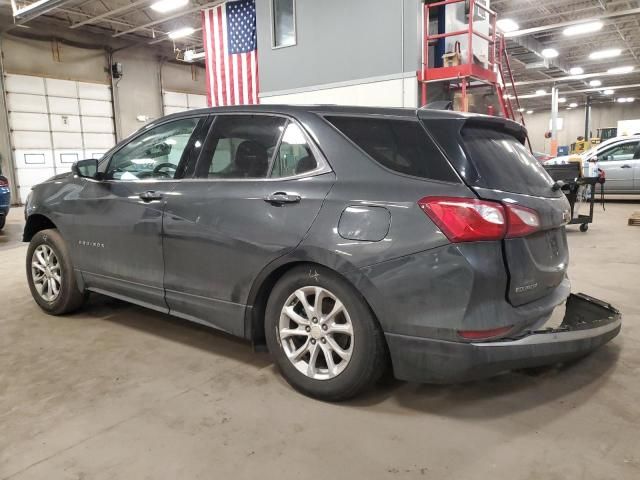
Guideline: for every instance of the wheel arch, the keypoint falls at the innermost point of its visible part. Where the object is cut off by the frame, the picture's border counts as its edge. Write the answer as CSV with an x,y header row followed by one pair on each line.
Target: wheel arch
x,y
35,223
264,283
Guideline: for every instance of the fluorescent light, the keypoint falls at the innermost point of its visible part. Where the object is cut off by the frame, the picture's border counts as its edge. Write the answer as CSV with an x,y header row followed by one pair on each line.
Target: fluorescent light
x,y
529,112
507,25
630,99
181,32
573,105
595,83
576,71
549,53
521,110
622,100
191,55
608,91
562,99
583,28
541,92
164,6
620,70
608,53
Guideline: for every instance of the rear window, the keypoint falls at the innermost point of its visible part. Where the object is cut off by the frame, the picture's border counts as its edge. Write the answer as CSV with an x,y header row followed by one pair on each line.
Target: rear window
x,y
503,163
399,145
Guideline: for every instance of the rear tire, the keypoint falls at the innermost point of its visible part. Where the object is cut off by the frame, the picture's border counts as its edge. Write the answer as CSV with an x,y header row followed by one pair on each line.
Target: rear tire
x,y
330,346
3,220
584,227
50,274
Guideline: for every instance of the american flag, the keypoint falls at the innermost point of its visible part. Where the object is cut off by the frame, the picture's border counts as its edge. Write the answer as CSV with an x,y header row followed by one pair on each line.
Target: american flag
x,y
230,48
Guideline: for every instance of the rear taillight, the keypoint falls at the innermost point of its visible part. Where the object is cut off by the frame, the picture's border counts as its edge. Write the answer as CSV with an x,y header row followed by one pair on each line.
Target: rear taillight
x,y
473,220
521,221
484,334
466,219
4,182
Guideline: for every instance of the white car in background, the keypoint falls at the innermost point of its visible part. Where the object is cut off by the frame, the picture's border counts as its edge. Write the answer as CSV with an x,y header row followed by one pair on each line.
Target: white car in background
x,y
619,158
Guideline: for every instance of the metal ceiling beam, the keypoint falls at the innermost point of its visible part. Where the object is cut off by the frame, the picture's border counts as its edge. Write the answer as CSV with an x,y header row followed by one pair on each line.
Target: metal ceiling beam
x,y
37,12
170,17
573,78
166,37
113,21
109,13
584,90
553,26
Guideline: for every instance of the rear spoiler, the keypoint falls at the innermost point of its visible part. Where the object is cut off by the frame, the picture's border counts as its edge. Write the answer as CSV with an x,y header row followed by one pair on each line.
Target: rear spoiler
x,y
475,120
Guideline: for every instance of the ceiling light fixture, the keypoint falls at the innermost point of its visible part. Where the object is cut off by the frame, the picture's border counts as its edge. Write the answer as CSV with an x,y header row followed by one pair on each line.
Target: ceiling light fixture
x,y
608,91
630,99
164,6
507,25
541,92
181,32
620,70
608,53
529,112
549,53
521,110
573,105
622,100
583,28
595,83
562,99
576,71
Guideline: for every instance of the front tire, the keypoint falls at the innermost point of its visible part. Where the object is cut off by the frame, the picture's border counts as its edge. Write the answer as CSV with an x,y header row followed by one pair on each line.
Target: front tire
x,y
323,335
50,274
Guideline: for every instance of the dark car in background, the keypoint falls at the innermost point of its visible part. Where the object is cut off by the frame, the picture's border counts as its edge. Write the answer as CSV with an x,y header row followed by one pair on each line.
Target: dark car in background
x,y
5,200
345,239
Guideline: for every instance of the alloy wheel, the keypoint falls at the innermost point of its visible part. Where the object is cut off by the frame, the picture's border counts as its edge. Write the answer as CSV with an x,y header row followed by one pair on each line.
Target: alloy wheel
x,y
316,333
46,273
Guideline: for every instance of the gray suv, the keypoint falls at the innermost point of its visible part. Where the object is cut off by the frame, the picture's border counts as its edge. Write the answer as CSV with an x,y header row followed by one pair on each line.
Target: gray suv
x,y
344,239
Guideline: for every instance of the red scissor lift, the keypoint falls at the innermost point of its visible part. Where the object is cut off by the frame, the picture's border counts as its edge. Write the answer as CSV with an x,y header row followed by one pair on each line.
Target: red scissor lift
x,y
469,74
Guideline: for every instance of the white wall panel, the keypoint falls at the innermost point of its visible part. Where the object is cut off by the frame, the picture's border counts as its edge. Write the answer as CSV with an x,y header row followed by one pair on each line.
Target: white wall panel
x,y
61,88
20,102
29,121
98,141
65,123
96,108
196,101
30,140
97,124
170,110
386,93
33,158
24,84
67,140
64,106
65,158
54,123
94,91
175,99
95,153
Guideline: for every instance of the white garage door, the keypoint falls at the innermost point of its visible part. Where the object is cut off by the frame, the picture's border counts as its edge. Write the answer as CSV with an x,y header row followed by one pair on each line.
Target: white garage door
x,y
54,123
174,102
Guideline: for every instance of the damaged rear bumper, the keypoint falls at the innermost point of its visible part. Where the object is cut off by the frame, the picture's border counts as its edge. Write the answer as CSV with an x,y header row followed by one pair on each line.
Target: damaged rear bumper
x,y
588,323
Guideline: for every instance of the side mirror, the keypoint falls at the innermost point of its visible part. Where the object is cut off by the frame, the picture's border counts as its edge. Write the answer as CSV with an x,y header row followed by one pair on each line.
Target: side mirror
x,y
85,168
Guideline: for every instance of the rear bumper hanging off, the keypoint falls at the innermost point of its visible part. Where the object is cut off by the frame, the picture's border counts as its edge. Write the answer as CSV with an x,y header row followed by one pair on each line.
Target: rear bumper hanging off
x,y
588,323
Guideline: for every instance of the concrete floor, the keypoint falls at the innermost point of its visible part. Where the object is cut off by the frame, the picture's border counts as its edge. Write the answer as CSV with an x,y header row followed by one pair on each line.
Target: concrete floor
x,y
118,391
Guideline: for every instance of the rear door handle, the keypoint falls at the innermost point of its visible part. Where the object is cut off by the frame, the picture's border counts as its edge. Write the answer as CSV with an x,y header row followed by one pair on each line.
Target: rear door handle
x,y
625,166
279,198
150,196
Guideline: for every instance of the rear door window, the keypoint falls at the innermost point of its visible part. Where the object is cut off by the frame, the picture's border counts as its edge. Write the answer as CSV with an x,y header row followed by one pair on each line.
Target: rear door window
x,y
503,163
399,145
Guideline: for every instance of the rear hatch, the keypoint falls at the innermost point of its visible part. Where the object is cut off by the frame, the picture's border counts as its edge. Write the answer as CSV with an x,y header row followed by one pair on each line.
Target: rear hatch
x,y
490,156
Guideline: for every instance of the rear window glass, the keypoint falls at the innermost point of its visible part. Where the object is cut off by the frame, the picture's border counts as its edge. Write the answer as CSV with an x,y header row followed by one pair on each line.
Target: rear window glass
x,y
399,145
503,163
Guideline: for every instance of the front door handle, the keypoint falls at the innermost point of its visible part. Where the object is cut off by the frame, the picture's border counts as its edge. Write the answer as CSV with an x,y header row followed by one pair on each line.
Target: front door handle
x,y
150,196
280,198
625,166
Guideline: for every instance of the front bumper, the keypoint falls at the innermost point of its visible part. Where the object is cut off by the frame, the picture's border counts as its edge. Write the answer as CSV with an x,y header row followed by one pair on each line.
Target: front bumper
x,y
588,323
